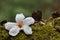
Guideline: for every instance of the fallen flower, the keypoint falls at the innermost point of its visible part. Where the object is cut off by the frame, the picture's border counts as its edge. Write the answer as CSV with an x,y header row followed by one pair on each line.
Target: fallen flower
x,y
22,23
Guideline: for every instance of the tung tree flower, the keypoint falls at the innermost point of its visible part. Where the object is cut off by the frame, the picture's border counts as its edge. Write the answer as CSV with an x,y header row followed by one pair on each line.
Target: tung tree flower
x,y
22,23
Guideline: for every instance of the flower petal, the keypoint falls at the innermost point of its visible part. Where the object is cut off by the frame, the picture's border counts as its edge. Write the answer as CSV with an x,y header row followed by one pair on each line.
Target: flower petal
x,y
28,21
14,31
9,25
27,29
19,17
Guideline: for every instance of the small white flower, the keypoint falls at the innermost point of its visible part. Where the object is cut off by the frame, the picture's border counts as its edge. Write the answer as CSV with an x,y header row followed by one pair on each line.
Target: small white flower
x,y
22,23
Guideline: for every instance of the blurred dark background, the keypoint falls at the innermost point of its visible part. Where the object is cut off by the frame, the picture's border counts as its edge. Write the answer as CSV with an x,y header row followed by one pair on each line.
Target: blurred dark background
x,y
9,8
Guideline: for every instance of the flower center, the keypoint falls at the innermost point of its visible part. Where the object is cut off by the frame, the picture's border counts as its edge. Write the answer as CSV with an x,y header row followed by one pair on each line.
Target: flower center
x,y
19,24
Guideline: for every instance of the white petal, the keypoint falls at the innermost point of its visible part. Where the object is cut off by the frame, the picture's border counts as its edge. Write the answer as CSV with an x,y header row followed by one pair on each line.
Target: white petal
x,y
19,17
9,25
27,30
14,31
28,21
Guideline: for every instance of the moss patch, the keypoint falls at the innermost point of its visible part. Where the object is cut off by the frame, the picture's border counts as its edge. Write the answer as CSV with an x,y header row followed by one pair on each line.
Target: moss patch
x,y
39,33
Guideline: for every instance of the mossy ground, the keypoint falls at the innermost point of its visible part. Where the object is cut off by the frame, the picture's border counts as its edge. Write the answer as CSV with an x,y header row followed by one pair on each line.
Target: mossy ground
x,y
46,32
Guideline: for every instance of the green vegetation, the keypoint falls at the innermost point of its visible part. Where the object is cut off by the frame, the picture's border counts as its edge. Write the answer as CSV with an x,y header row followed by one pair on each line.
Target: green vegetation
x,y
47,32
9,8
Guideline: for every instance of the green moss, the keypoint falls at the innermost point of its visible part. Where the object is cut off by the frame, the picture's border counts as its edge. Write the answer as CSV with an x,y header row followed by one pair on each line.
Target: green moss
x,y
39,33
3,33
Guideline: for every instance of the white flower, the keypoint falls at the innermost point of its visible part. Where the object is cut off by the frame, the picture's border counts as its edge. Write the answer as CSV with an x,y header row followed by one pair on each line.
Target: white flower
x,y
22,23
